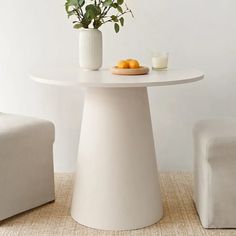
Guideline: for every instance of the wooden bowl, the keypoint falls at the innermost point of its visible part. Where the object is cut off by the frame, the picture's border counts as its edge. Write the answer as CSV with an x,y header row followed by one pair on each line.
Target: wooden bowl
x,y
139,71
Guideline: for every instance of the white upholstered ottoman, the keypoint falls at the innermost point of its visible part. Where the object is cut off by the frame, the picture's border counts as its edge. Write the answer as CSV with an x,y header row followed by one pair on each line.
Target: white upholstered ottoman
x,y
215,172
26,164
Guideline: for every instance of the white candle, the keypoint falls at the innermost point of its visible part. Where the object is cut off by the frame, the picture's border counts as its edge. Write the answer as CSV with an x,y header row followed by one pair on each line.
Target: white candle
x,y
160,61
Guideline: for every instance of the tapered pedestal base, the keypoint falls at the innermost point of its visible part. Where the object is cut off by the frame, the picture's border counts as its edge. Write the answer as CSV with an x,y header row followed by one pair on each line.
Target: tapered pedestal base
x,y
116,185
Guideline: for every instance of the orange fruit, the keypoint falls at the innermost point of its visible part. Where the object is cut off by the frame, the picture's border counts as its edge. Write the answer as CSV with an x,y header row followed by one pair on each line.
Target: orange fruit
x,y
123,64
133,64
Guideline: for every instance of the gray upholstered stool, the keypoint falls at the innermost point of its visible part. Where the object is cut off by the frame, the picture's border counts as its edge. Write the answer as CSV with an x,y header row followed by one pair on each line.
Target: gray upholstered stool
x,y
215,172
26,164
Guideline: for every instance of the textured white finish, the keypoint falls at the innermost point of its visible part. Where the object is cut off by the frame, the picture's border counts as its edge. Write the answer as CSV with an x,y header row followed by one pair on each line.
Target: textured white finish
x,y
215,172
120,191
26,164
116,186
104,78
90,49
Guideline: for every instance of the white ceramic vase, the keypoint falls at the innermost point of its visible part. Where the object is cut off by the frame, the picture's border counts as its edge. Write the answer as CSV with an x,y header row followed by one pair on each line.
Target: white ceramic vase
x,y
90,49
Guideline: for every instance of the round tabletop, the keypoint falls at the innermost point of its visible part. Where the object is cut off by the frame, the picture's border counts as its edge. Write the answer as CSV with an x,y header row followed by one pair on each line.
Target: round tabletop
x,y
104,78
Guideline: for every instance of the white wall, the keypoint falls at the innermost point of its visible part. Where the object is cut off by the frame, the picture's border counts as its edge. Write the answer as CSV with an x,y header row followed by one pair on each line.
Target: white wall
x,y
198,34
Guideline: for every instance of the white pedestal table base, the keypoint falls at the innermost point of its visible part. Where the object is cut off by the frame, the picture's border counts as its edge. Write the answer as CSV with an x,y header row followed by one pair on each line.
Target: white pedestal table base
x,y
116,185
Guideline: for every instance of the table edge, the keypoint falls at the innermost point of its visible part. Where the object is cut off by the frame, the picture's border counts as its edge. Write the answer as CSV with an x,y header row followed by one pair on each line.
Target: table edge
x,y
116,85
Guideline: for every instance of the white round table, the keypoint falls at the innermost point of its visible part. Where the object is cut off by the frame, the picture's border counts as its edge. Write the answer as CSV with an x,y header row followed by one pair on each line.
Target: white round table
x,y
116,186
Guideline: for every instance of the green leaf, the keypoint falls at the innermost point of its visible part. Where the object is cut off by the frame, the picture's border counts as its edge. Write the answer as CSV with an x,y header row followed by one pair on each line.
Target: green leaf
x,y
91,14
87,16
67,7
86,21
98,10
120,2
115,5
116,27
107,3
70,13
81,2
92,11
122,21
78,26
97,24
114,18
73,3
120,9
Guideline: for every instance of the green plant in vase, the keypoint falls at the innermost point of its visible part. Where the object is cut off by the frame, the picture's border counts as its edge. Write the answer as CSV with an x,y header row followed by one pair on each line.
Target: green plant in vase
x,y
95,13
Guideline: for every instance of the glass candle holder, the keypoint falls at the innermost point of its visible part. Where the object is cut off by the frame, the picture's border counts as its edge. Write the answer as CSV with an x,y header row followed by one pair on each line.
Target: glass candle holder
x,y
160,60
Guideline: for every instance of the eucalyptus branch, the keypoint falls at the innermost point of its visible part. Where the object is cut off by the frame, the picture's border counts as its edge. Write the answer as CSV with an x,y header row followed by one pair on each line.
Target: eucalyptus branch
x,y
96,13
78,14
129,10
109,8
99,3
118,16
81,10
125,12
103,12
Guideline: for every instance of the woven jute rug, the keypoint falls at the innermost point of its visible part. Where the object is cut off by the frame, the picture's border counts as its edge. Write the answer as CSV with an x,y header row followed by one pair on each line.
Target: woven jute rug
x,y
54,219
